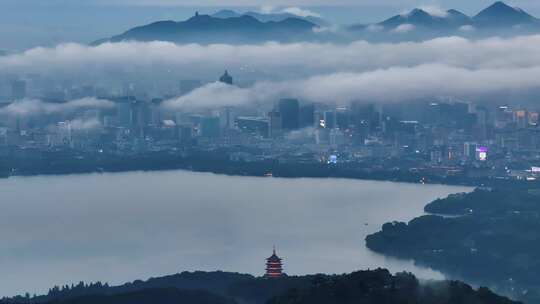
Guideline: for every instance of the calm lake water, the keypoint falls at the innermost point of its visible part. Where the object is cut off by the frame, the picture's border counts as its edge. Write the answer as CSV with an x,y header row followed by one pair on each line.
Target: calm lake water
x,y
120,227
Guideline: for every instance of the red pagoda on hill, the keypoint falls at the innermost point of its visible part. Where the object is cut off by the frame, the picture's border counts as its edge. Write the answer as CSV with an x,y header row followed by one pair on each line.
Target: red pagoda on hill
x,y
274,266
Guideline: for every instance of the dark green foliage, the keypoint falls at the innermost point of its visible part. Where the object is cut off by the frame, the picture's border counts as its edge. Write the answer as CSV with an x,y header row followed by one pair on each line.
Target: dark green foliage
x,y
216,282
260,290
487,203
371,286
495,242
153,296
380,287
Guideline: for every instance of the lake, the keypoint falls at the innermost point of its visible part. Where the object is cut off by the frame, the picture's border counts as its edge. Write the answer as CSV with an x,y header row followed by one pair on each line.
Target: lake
x,y
58,230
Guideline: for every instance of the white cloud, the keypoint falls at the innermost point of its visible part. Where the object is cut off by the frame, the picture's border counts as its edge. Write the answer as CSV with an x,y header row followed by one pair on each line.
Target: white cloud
x,y
280,60
211,95
434,11
467,28
375,28
404,28
29,107
382,85
317,71
85,124
300,12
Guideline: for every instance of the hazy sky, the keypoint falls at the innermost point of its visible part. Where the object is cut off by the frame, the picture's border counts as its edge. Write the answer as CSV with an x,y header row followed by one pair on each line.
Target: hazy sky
x,y
30,23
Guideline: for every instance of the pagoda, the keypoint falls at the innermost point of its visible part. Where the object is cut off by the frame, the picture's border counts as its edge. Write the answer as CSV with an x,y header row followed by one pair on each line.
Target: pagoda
x,y
226,78
274,266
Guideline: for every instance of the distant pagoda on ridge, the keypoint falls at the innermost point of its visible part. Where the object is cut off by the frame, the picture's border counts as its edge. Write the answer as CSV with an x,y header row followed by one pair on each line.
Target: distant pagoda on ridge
x,y
226,78
274,266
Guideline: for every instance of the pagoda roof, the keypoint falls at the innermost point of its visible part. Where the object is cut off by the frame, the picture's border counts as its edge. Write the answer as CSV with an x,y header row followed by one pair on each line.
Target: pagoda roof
x,y
274,257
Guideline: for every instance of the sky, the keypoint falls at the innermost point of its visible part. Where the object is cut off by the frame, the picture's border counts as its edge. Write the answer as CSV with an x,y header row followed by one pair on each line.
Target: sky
x,y
30,23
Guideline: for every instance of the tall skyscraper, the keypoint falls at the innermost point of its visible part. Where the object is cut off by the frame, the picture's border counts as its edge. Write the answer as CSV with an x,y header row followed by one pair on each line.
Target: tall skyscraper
x,y
330,119
290,113
210,127
18,89
307,116
276,124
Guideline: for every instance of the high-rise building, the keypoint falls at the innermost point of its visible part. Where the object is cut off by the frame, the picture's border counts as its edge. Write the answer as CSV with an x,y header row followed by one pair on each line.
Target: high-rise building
x,y
533,118
253,125
226,78
330,119
276,123
521,118
342,118
210,127
18,89
290,113
307,116
185,133
469,150
481,153
274,266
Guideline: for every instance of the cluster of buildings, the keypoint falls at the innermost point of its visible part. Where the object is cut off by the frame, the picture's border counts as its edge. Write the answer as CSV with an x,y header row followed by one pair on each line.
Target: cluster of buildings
x,y
443,138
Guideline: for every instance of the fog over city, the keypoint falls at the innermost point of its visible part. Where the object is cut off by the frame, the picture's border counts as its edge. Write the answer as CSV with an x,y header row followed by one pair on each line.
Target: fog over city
x,y
321,72
32,107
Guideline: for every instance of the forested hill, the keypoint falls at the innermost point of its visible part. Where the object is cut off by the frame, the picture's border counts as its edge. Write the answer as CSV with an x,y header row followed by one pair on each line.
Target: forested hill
x,y
489,236
152,296
366,287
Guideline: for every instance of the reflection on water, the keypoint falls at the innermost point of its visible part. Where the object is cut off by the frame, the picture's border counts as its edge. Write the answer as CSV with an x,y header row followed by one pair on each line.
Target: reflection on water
x,y
121,227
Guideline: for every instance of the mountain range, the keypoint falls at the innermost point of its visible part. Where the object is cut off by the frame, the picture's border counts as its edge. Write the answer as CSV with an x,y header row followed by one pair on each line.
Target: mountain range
x,y
227,26
265,17
497,16
210,29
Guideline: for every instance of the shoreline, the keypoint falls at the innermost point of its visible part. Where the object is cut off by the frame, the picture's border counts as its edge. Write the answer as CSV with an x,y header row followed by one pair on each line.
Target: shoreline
x,y
223,166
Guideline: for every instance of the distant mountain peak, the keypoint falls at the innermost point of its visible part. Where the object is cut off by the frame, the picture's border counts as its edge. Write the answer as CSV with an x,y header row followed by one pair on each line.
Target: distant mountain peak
x,y
502,14
501,7
416,13
422,18
454,12
501,4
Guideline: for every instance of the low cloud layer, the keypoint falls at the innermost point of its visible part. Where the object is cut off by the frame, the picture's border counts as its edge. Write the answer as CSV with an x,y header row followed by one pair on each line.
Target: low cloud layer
x,y
31,107
323,72
384,85
273,57
211,95
404,28
85,124
302,12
